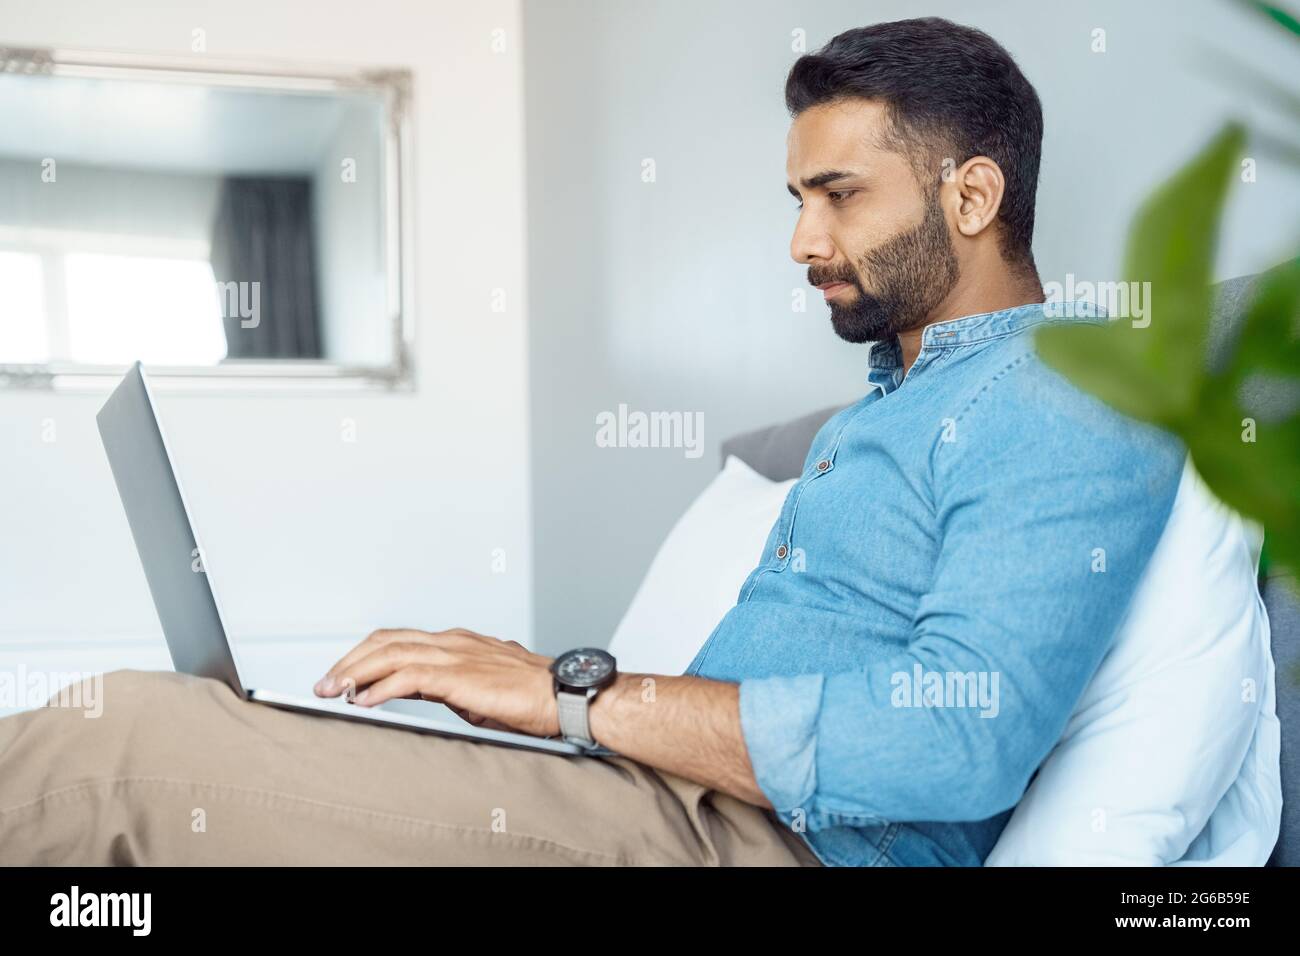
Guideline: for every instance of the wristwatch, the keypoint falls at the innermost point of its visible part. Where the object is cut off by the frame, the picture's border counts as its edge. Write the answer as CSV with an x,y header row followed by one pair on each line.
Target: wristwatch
x,y
580,674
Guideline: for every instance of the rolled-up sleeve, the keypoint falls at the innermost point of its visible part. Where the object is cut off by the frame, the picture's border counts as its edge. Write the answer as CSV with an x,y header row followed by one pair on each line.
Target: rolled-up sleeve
x,y
1045,533
779,718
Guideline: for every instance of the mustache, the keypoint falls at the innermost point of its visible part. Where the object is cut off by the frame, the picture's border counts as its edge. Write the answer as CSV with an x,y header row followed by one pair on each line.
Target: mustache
x,y
824,276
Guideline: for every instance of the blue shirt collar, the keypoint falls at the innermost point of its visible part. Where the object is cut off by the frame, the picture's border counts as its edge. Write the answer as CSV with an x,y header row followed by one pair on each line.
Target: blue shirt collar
x,y
886,357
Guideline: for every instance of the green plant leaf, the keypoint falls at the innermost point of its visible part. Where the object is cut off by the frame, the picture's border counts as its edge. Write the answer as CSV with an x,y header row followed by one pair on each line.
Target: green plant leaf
x,y
1254,465
1154,372
1269,339
1101,362
1276,14
1172,245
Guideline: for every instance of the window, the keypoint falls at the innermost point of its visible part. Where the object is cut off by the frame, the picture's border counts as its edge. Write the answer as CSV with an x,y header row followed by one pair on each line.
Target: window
x,y
102,299
23,337
123,308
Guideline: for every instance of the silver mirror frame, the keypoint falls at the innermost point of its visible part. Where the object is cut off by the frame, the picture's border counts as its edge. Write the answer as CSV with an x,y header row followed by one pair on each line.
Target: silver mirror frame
x,y
394,85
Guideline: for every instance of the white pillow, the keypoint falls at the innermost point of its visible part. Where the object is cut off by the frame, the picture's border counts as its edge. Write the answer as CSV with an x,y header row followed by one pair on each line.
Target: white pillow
x,y
696,577
1172,752
1162,760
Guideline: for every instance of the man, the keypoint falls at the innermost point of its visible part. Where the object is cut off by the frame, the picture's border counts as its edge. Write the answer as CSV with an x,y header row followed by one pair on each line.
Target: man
x,y
884,700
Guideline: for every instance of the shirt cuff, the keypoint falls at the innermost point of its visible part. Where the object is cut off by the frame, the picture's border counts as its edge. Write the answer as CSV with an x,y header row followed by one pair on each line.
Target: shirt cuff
x,y
778,719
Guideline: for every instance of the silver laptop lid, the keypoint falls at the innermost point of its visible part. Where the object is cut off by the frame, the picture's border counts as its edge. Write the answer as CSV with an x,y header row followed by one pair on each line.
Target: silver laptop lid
x,y
164,535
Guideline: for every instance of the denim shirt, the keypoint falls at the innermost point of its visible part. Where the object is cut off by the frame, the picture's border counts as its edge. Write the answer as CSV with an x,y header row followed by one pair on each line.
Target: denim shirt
x,y
943,580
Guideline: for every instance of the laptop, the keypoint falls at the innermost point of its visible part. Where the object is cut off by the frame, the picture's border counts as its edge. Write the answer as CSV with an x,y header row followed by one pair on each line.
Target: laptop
x,y
180,578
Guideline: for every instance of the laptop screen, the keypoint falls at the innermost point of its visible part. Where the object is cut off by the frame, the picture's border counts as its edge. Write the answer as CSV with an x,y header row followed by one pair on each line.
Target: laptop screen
x,y
164,536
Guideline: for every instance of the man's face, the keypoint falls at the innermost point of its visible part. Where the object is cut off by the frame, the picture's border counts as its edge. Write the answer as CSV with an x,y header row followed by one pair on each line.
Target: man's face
x,y
866,223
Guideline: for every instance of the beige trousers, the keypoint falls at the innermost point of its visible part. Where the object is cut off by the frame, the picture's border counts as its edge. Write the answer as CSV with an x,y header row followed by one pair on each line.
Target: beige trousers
x,y
180,770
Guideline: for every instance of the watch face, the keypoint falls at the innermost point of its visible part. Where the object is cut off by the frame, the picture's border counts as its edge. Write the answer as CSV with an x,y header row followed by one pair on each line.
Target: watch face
x,y
585,667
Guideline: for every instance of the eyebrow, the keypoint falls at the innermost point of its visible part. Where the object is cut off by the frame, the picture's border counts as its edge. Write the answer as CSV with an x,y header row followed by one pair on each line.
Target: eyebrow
x,y
821,179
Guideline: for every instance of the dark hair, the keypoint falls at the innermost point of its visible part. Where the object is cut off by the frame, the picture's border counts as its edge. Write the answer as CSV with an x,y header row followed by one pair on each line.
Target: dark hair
x,y
948,90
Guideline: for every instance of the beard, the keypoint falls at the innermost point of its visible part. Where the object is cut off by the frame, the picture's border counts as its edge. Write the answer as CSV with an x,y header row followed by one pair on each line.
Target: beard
x,y
912,273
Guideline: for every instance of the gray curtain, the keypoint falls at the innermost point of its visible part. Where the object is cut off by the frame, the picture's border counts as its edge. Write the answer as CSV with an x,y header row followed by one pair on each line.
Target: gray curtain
x,y
262,233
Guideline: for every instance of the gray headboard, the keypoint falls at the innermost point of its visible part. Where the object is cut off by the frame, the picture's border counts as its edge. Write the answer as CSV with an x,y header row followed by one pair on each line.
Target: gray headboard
x,y
778,452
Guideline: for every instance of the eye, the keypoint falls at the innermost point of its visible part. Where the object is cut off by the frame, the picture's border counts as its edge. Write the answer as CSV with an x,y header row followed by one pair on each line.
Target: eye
x,y
844,193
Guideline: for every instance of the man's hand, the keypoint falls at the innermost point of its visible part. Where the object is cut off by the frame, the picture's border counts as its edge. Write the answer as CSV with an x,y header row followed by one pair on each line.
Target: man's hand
x,y
488,682
689,726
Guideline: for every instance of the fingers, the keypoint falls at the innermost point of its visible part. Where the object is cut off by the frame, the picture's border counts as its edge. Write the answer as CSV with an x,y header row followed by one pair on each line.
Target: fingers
x,y
474,669
331,686
333,683
389,659
398,684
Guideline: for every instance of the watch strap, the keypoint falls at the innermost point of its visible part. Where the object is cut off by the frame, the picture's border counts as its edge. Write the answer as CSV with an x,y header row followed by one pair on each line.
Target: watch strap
x,y
572,711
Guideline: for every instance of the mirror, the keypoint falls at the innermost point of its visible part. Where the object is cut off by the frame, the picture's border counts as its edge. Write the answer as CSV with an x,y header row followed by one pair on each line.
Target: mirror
x,y
215,220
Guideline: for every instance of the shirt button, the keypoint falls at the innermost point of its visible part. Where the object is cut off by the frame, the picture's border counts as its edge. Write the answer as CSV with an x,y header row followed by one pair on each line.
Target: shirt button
x,y
823,464
782,551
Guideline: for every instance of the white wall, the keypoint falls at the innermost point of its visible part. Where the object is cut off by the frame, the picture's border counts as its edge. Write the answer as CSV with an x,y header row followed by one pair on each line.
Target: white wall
x,y
676,295
308,534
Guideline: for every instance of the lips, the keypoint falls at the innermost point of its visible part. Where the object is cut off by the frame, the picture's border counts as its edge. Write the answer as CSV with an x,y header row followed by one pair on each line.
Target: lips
x,y
832,288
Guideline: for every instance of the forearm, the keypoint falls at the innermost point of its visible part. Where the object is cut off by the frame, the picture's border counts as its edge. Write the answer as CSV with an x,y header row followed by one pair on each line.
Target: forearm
x,y
687,726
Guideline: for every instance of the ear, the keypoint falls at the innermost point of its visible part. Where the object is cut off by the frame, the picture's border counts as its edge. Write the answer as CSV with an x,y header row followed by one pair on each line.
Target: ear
x,y
978,184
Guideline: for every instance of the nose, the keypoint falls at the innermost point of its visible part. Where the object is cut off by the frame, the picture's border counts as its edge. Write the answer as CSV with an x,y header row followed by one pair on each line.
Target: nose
x,y
810,241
